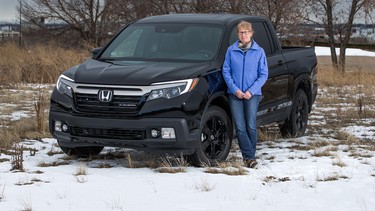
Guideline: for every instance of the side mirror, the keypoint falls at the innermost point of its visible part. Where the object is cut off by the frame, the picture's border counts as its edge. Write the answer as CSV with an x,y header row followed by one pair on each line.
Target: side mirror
x,y
95,51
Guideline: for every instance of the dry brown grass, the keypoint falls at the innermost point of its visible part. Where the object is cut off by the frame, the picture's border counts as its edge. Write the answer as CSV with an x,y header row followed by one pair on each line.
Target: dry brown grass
x,y
357,154
172,165
81,170
370,146
333,177
40,106
350,140
55,163
20,129
300,147
17,158
349,96
359,70
33,102
228,168
102,166
322,152
339,162
273,179
204,186
53,151
342,135
269,133
8,137
320,143
137,160
38,64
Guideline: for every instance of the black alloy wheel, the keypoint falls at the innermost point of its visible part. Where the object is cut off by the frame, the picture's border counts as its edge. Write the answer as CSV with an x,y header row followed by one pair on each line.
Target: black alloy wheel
x,y
216,138
296,125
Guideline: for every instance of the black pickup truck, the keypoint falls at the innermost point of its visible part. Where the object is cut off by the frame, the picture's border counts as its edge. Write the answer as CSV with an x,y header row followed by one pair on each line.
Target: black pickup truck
x,y
157,86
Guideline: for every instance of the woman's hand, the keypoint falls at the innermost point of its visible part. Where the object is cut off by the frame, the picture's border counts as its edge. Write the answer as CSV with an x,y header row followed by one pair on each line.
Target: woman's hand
x,y
239,94
247,95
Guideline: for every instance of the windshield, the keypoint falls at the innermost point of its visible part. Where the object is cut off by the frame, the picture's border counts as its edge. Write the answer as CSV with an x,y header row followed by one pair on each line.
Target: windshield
x,y
165,42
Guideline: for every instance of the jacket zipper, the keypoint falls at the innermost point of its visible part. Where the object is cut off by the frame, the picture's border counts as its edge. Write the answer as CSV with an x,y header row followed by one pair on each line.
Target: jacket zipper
x,y
243,69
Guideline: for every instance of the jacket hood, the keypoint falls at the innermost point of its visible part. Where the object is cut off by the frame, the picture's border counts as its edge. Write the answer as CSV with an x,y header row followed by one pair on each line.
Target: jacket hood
x,y
133,72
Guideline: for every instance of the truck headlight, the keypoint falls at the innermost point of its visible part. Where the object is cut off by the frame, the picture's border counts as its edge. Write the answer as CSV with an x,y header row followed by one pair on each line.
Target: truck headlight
x,y
63,87
172,89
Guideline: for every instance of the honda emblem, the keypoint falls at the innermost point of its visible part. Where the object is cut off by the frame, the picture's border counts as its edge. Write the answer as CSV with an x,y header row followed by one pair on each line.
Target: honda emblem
x,y
105,96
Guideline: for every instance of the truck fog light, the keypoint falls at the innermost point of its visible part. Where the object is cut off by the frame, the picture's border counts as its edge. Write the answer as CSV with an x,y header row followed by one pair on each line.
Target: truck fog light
x,y
168,133
64,127
155,133
58,126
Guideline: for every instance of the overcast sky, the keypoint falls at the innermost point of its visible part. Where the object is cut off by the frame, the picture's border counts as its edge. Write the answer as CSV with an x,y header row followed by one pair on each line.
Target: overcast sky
x,y
8,11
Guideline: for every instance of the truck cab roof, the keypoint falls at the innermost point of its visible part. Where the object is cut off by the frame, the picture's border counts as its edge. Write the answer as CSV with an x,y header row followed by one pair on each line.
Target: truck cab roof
x,y
217,19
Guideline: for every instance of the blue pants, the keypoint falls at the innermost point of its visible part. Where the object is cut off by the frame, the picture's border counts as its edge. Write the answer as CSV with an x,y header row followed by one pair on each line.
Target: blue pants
x,y
244,114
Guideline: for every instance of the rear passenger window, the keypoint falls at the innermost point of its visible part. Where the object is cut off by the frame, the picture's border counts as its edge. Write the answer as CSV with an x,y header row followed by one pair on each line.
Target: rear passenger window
x,y
261,36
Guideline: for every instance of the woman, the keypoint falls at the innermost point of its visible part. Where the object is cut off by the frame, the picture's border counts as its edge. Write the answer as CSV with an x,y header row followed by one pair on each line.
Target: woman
x,y
245,71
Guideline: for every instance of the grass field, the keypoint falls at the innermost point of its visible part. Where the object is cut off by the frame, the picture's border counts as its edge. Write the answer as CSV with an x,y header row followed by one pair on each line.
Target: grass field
x,y
353,63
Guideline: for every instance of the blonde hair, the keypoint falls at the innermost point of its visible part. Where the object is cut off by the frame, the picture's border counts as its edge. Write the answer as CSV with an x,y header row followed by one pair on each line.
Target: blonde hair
x,y
244,25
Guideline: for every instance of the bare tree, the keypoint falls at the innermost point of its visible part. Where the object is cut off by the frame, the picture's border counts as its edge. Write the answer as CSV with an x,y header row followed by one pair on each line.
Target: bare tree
x,y
87,17
236,6
126,11
93,19
337,17
285,15
170,6
345,30
130,10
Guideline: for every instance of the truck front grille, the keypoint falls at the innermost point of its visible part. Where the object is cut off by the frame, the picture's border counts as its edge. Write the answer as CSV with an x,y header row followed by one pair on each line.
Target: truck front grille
x,y
120,104
112,133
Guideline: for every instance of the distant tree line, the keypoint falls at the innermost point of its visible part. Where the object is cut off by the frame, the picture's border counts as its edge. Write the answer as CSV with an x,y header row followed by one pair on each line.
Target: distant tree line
x,y
92,21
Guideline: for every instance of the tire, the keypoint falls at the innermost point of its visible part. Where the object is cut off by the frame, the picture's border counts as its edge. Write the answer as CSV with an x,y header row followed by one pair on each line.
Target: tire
x,y
216,138
82,152
296,124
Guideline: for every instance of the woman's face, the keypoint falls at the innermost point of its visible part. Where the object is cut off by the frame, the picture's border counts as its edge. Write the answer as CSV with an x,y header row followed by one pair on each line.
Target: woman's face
x,y
244,35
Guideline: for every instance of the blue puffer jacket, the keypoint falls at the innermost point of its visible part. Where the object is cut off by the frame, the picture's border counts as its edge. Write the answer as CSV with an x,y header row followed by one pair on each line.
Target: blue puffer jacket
x,y
245,71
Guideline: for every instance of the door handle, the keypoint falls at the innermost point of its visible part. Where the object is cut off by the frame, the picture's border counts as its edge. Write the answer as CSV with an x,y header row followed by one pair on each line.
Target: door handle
x,y
280,63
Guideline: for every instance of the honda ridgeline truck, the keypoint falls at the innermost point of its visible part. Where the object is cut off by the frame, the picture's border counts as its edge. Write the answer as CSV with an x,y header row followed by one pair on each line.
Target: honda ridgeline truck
x,y
157,86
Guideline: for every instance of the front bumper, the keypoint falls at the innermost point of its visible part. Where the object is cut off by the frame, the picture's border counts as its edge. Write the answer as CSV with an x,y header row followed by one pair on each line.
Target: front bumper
x,y
129,133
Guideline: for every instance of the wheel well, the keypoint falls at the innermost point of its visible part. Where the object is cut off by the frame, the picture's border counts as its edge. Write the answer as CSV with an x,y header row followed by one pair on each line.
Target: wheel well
x,y
305,85
222,102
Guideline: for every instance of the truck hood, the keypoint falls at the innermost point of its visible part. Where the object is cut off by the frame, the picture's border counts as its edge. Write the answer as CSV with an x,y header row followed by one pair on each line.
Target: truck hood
x,y
133,72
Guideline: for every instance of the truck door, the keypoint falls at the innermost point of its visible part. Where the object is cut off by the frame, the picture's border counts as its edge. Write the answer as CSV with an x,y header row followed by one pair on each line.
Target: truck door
x,y
275,100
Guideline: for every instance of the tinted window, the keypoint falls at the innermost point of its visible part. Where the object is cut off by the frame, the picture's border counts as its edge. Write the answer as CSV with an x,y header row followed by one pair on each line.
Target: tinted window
x,y
261,36
166,41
